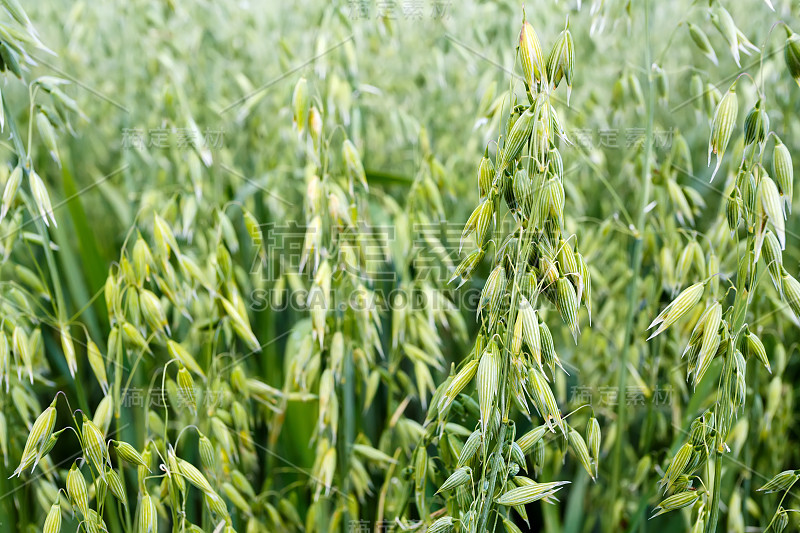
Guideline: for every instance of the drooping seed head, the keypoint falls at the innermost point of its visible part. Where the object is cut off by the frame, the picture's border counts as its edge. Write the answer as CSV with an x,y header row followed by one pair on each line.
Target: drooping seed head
x,y
528,440
773,257
467,266
76,490
300,104
207,453
479,222
38,438
781,520
142,261
179,352
567,305
128,453
723,20
681,305
561,62
94,444
791,54
68,347
756,124
676,501
98,365
578,446
732,210
147,515
771,203
116,484
152,311
661,82
530,54
10,191
780,482
722,127
461,476
353,166
701,40
165,238
52,523
488,376
517,137
470,447
493,291
134,336
41,198
791,292
461,380
104,413
528,493
485,174
194,476
784,173
593,437
441,525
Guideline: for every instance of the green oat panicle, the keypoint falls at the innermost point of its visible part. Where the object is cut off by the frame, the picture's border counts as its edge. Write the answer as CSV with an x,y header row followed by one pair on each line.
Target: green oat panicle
x,y
97,364
147,514
756,124
68,347
772,206
517,137
485,174
578,446
593,437
756,347
487,378
530,53
780,482
457,479
681,305
791,292
561,61
784,173
444,524
736,40
459,382
781,520
300,104
76,489
703,44
773,257
10,191
52,523
676,501
38,438
116,485
791,54
94,445
530,493
186,388
722,127
470,448
128,453
41,198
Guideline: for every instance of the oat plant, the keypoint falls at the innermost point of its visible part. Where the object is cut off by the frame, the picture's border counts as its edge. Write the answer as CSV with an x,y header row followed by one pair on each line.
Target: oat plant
x,y
720,307
536,268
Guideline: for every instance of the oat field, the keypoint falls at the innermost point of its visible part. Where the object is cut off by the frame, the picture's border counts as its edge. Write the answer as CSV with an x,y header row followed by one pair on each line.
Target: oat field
x,y
399,266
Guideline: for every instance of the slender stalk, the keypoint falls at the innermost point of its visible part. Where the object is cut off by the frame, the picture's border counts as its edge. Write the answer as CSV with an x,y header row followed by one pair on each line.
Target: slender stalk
x,y
636,267
348,437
